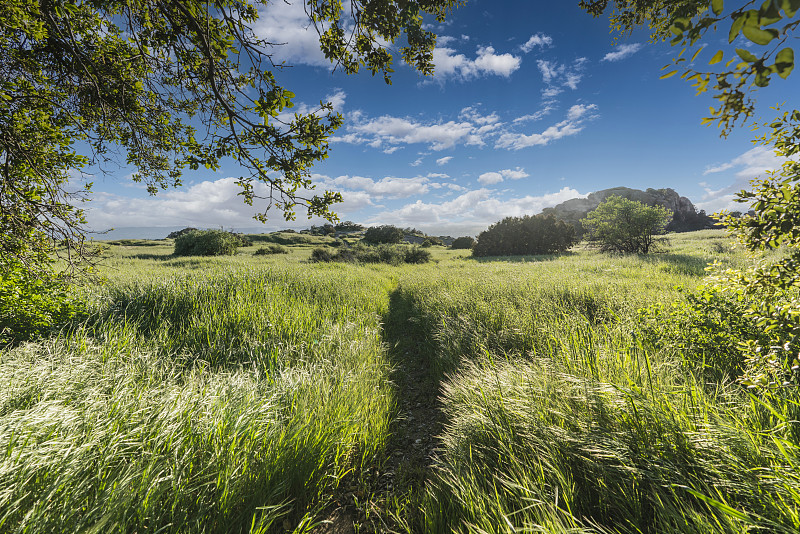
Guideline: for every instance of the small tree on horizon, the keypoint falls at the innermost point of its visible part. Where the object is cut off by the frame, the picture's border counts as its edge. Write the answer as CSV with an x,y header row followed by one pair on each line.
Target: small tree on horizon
x,y
623,225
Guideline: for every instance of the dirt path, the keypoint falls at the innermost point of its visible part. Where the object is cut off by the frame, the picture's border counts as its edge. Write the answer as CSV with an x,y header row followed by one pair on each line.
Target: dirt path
x,y
386,497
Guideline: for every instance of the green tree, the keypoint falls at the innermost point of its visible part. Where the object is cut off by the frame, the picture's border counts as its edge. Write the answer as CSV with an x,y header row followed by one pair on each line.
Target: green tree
x,y
86,82
463,243
768,289
623,225
519,236
385,234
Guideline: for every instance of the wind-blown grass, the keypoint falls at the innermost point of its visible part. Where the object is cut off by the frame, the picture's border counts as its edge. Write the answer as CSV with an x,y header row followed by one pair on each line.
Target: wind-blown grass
x,y
199,404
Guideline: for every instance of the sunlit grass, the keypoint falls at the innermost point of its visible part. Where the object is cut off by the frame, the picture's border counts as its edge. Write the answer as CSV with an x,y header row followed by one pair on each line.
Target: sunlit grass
x,y
236,393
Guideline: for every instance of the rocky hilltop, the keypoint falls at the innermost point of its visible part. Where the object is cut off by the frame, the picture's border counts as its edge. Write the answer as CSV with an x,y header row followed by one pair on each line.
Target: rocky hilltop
x,y
685,216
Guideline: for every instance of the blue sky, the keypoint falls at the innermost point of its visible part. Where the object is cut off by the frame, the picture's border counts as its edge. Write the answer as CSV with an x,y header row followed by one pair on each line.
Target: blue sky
x,y
531,104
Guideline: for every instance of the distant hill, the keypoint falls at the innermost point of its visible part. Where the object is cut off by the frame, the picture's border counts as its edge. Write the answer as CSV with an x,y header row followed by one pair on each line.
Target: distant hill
x,y
685,217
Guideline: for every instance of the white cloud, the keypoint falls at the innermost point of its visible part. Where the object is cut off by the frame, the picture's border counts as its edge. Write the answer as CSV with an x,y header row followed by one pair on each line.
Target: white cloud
x,y
470,212
390,186
296,42
623,51
208,204
546,110
557,76
451,64
336,99
541,40
577,116
754,163
470,130
489,178
444,160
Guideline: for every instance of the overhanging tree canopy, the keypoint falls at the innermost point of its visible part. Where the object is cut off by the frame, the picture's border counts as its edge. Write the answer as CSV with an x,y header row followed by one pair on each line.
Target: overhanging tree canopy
x,y
135,77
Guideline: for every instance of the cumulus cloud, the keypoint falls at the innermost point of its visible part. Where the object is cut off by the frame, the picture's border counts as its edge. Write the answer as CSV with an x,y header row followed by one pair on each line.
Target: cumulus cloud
x,y
444,160
538,40
576,119
389,186
211,203
489,178
452,65
296,42
754,163
472,211
622,52
470,129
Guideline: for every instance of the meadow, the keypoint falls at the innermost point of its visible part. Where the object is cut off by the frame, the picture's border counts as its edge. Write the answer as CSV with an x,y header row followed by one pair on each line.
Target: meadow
x,y
265,393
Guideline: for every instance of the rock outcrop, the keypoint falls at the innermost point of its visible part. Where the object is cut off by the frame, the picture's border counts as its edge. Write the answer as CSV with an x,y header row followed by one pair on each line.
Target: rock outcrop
x,y
685,216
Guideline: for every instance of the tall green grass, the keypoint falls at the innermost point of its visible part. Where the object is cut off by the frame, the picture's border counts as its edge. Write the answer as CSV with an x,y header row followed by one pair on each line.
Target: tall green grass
x,y
217,403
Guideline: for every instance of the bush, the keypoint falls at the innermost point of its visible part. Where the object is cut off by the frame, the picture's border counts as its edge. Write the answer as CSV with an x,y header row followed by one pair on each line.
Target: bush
x,y
517,236
321,254
33,304
417,255
271,249
427,243
207,243
393,255
705,331
623,225
463,243
349,226
384,234
177,233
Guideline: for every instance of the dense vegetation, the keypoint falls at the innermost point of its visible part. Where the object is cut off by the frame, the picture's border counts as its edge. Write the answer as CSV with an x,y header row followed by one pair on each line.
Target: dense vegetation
x,y
463,243
235,393
622,225
207,243
384,234
530,234
389,254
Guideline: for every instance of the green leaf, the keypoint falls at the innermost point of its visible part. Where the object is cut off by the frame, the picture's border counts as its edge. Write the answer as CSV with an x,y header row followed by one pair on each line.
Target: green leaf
x,y
669,74
784,62
717,6
717,57
759,36
736,27
790,7
746,55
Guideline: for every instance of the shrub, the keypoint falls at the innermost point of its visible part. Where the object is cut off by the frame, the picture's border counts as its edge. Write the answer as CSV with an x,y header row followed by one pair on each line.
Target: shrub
x,y
427,243
32,304
207,243
271,249
177,233
349,226
623,225
463,243
393,255
321,254
705,331
383,234
516,236
417,255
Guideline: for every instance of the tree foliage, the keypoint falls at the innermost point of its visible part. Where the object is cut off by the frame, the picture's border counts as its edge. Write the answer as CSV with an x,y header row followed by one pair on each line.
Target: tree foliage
x,y
383,234
623,225
769,289
165,87
519,236
733,71
207,243
463,243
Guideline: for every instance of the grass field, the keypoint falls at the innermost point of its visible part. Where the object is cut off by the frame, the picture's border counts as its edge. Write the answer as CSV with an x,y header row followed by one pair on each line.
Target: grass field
x,y
269,394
